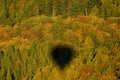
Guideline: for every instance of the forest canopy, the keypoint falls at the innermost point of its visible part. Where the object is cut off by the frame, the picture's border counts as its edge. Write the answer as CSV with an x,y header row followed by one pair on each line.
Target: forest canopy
x,y
14,11
29,29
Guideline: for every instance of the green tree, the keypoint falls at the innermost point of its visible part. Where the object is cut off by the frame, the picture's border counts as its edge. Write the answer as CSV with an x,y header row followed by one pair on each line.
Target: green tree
x,y
3,12
3,73
108,8
8,77
17,63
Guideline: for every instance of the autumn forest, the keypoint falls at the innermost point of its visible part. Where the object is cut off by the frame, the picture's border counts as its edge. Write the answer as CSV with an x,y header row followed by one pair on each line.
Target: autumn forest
x,y
29,29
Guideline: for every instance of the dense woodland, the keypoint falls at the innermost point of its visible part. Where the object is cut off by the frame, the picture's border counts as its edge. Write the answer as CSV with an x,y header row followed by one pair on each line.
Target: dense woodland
x,y
14,11
30,28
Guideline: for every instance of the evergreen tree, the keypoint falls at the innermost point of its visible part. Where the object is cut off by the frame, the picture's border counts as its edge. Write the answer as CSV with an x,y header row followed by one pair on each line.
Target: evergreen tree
x,y
8,77
3,73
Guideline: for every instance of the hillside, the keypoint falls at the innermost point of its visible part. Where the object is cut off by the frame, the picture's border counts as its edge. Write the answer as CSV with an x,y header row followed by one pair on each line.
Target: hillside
x,y
25,48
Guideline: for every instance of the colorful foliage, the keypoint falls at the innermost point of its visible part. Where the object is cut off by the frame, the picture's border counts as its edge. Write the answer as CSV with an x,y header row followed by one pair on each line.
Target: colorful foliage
x,y
25,48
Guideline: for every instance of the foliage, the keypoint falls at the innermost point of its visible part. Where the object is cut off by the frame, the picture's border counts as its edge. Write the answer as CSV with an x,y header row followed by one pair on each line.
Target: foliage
x,y
25,48
15,11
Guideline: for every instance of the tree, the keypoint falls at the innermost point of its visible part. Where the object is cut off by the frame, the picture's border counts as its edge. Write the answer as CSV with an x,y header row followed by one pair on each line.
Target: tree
x,y
3,12
108,8
54,8
3,73
9,77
